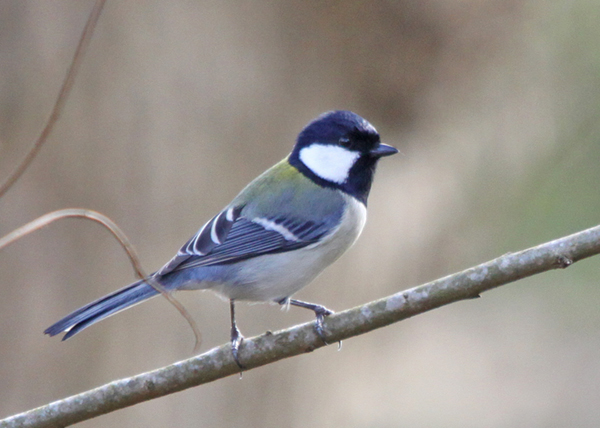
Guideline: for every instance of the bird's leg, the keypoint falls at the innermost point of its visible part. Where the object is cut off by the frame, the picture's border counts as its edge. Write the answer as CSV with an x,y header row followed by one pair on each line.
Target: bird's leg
x,y
236,336
320,311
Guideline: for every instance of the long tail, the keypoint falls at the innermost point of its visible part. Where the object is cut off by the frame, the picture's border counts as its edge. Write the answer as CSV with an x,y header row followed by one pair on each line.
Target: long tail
x,y
102,308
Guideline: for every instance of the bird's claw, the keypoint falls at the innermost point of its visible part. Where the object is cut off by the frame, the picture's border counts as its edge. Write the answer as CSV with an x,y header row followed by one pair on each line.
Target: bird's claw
x,y
236,341
321,312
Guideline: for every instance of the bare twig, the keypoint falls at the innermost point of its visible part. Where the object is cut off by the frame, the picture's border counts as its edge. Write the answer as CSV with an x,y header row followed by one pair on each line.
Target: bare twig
x,y
65,90
84,41
261,350
51,217
123,240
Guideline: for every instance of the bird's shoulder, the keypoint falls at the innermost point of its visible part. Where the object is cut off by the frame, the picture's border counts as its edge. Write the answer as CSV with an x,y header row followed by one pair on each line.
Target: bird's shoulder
x,y
283,190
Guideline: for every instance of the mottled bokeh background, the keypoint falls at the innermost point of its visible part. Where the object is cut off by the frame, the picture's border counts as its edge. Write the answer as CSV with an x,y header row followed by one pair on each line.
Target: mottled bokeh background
x,y
495,107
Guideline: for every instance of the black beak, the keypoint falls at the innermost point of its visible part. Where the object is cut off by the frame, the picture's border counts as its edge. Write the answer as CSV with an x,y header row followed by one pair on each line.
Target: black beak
x,y
383,150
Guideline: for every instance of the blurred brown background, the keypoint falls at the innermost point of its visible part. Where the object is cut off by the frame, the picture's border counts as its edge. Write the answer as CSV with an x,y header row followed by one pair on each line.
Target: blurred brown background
x,y
494,106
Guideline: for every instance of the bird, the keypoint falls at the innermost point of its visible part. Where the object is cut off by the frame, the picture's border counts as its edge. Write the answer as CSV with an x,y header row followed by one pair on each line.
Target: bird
x,y
279,233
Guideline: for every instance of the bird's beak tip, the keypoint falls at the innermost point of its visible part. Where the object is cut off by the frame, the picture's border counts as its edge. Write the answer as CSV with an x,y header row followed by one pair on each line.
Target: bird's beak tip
x,y
384,150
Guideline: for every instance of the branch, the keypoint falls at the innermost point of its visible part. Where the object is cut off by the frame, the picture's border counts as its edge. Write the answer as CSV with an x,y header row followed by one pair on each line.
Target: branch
x,y
270,347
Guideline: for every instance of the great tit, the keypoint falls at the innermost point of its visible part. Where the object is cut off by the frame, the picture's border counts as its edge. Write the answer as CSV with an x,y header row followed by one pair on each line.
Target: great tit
x,y
277,235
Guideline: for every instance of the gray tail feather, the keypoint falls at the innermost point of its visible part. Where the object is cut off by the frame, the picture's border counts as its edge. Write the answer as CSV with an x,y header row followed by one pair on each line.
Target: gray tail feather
x,y
101,308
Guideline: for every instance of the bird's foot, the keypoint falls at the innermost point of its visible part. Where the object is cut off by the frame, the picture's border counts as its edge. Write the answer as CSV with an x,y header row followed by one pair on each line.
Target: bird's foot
x,y
320,312
236,341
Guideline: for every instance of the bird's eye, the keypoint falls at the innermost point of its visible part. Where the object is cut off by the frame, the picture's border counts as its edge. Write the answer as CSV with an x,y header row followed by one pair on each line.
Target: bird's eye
x,y
345,142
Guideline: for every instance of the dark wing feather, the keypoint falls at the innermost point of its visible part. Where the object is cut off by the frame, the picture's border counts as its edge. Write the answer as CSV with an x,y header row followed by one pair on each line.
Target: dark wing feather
x,y
213,233
229,238
246,239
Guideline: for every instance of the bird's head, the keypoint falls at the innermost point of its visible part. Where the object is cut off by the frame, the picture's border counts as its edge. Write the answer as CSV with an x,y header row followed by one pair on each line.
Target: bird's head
x,y
340,149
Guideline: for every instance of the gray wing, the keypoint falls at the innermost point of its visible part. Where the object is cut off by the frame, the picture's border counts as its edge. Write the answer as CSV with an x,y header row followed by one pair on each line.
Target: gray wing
x,y
229,238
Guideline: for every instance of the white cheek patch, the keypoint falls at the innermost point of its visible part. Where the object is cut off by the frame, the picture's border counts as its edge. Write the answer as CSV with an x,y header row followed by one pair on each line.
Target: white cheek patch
x,y
329,162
